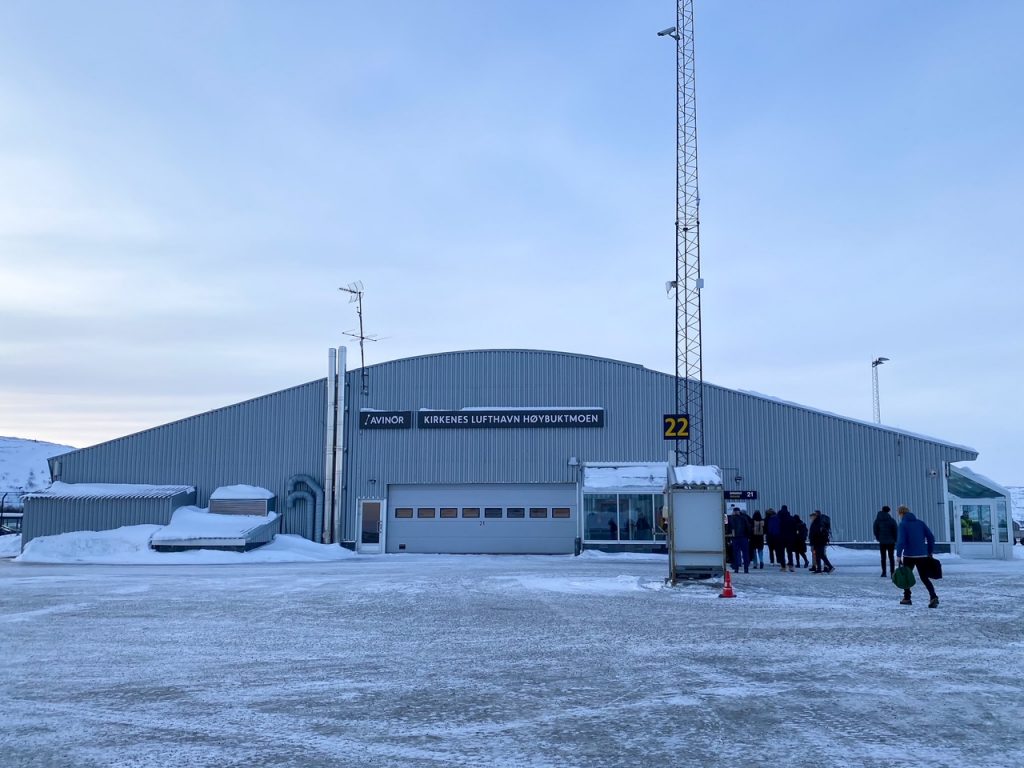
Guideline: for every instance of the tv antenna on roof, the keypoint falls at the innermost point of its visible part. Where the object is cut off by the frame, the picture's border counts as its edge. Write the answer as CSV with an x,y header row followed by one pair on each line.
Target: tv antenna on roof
x,y
355,291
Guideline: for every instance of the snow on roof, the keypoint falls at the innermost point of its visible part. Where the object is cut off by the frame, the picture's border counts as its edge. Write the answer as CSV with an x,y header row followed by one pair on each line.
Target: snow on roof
x,y
195,523
61,490
241,492
692,474
650,477
980,479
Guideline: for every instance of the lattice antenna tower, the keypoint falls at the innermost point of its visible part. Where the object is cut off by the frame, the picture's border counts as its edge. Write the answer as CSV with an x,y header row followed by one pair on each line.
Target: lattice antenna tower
x,y
355,292
688,282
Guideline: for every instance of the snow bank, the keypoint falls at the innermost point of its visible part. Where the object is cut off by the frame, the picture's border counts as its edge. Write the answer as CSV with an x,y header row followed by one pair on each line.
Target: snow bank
x,y
195,523
10,545
130,546
626,477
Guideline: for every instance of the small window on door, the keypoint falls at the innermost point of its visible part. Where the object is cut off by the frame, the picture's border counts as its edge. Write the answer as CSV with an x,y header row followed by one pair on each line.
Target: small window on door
x,y
538,512
492,512
515,512
471,511
449,512
560,512
403,512
426,512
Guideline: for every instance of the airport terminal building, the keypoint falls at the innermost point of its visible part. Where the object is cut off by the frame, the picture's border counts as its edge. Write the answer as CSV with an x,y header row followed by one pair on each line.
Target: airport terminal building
x,y
528,451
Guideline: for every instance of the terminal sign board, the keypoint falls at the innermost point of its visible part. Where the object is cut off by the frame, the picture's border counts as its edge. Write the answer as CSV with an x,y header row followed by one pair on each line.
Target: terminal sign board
x,y
506,418
741,495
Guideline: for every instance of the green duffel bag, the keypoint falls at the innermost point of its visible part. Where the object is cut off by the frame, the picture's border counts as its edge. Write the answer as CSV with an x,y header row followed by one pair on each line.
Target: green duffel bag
x,y
903,577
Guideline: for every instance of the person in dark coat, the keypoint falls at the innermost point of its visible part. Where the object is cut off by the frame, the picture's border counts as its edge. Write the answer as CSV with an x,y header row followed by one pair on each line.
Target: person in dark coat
x,y
771,533
800,541
757,540
785,541
819,543
738,527
915,545
885,535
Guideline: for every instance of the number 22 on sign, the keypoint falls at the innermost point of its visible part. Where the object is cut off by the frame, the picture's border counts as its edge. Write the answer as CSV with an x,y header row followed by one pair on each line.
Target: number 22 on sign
x,y
676,426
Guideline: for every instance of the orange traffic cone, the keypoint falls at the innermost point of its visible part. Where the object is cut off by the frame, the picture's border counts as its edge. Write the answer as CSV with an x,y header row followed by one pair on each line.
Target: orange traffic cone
x,y
727,588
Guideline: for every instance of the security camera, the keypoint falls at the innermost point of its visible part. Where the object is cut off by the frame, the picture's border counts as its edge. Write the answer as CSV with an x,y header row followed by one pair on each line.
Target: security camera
x,y
668,31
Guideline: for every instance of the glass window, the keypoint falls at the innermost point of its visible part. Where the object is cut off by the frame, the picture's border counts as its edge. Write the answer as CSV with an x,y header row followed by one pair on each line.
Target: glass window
x,y
492,512
515,512
976,522
561,512
660,516
449,512
1001,518
403,512
636,517
600,519
426,512
471,512
538,512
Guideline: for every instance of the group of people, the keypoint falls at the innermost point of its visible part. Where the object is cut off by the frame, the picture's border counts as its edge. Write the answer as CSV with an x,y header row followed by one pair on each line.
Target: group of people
x,y
785,535
909,541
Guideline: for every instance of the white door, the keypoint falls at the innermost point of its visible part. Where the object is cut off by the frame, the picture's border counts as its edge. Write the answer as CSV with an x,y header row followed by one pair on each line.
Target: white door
x,y
371,526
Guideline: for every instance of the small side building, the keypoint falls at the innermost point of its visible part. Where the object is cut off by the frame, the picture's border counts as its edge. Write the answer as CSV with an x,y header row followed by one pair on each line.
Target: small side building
x,y
67,507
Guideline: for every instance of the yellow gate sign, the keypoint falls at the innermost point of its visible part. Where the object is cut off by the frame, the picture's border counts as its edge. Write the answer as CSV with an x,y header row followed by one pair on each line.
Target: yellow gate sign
x,y
676,426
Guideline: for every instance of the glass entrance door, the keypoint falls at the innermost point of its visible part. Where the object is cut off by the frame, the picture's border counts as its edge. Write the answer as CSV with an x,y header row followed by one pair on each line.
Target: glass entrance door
x,y
371,526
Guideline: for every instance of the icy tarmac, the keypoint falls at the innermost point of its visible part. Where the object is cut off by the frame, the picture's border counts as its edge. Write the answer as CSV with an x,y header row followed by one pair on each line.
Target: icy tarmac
x,y
406,660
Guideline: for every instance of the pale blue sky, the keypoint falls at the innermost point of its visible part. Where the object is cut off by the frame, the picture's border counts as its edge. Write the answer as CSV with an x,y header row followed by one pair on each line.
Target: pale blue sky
x,y
183,187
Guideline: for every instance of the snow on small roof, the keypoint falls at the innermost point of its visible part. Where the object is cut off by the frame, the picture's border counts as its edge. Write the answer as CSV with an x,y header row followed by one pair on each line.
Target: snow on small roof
x,y
241,492
980,479
61,490
195,523
691,474
650,477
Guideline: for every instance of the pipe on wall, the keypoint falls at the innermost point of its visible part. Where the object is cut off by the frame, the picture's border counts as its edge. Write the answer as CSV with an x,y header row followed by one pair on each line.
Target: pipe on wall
x,y
307,497
318,506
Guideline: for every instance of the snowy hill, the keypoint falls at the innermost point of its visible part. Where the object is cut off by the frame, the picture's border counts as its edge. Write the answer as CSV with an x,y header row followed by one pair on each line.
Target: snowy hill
x,y
1017,503
23,464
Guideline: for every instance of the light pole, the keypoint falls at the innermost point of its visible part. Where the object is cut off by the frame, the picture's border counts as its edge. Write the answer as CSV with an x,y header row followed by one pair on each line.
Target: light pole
x,y
874,386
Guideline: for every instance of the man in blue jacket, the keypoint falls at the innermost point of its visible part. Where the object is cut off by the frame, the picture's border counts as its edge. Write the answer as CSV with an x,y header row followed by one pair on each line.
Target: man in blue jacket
x,y
915,544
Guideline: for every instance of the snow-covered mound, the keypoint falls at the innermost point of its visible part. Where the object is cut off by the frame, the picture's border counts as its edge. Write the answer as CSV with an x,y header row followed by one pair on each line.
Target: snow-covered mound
x,y
23,464
130,546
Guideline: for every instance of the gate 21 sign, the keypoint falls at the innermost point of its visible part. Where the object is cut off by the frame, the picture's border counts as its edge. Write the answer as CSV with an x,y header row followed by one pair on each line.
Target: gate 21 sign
x,y
676,426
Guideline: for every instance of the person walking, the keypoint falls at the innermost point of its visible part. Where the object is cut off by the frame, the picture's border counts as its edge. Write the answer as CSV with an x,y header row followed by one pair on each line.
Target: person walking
x,y
800,541
915,545
771,533
785,541
740,540
757,540
819,535
885,535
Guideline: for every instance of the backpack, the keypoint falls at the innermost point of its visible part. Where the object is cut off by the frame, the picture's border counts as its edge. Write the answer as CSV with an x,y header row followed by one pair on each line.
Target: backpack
x,y
826,526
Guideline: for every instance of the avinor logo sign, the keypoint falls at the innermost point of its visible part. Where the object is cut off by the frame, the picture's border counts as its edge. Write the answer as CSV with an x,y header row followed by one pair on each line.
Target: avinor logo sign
x,y
385,419
505,418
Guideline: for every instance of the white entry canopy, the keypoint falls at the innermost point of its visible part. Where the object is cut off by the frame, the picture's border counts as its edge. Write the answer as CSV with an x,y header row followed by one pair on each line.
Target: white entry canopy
x,y
649,477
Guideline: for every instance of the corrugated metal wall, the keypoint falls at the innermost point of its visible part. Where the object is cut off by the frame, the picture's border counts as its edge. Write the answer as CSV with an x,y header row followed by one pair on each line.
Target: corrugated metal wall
x,y
259,442
789,454
50,516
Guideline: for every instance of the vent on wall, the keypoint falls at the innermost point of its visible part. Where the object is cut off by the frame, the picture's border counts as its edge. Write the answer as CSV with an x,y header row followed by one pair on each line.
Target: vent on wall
x,y
242,506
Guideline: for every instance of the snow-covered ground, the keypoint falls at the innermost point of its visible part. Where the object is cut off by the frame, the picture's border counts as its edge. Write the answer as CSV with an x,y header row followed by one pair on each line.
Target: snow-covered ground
x,y
418,660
